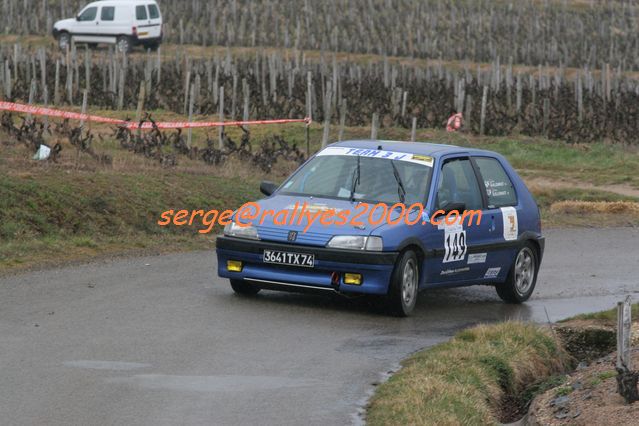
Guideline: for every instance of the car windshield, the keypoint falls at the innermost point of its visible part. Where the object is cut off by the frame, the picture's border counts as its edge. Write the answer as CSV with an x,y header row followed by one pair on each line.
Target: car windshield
x,y
88,14
363,175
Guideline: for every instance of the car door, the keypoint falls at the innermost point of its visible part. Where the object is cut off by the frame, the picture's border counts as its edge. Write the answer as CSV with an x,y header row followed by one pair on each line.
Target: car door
x,y
107,23
452,246
86,27
500,227
148,27
155,21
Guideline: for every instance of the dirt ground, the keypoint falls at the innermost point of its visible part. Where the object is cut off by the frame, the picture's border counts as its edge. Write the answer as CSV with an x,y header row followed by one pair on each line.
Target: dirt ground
x,y
588,397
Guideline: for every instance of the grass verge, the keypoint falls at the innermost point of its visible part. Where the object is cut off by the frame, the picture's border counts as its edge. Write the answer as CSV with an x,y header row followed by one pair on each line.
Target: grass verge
x,y
465,380
484,372
51,216
607,317
577,207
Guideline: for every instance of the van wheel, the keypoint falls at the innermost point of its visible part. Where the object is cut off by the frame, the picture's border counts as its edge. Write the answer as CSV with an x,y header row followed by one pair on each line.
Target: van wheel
x,y
244,288
64,41
402,293
123,44
522,277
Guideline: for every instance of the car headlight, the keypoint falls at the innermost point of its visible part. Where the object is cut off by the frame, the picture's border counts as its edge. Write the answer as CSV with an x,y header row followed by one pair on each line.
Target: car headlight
x,y
232,229
356,242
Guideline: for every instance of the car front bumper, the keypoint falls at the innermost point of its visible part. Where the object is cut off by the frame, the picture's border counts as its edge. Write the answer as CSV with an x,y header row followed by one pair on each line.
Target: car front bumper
x,y
375,267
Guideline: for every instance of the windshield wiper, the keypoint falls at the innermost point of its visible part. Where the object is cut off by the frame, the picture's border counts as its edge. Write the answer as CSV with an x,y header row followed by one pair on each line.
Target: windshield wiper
x,y
401,191
356,176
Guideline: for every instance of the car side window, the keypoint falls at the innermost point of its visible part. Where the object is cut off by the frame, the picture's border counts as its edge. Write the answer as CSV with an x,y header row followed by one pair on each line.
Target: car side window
x,y
107,13
154,13
499,187
88,14
140,13
458,184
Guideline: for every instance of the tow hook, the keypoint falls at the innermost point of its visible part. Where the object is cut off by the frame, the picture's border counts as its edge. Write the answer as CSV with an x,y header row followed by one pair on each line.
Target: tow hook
x,y
335,280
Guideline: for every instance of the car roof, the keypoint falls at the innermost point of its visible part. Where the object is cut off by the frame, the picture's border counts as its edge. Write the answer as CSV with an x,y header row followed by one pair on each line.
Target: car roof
x,y
422,148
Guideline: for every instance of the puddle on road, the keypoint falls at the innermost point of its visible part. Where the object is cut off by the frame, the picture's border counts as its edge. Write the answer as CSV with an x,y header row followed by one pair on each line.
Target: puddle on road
x,y
384,347
212,383
106,365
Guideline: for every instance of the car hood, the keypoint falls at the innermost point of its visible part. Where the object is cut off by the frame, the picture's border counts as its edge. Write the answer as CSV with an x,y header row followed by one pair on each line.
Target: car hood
x,y
64,23
290,216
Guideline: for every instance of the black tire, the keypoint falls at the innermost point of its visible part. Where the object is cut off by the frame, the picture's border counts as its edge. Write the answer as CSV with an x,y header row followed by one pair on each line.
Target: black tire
x,y
244,288
403,289
64,40
522,277
124,44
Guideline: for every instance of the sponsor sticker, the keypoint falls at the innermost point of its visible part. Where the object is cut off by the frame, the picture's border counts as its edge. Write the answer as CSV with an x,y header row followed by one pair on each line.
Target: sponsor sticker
x,y
511,227
455,227
424,159
376,153
492,272
454,271
477,258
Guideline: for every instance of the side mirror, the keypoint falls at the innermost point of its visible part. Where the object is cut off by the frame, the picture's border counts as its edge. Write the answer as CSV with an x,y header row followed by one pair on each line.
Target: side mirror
x,y
459,207
267,188
77,17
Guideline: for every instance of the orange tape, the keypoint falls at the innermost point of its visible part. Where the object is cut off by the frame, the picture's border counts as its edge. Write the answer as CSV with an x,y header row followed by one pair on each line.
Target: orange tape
x,y
50,112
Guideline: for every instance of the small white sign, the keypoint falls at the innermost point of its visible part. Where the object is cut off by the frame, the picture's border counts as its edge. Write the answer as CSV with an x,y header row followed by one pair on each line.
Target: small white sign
x,y
511,227
477,258
492,272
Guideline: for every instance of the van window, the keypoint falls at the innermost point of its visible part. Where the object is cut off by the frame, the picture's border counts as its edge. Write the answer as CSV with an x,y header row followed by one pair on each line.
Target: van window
x,y
107,13
154,13
88,14
499,187
140,13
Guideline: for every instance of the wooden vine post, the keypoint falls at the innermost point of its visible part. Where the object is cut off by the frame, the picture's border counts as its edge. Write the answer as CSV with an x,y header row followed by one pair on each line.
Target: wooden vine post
x,y
626,378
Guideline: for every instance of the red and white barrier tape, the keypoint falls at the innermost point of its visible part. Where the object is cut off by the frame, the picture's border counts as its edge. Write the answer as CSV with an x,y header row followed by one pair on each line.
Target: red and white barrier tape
x,y
35,110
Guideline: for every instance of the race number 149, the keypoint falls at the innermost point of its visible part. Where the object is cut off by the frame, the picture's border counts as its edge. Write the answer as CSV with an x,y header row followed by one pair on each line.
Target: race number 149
x,y
455,246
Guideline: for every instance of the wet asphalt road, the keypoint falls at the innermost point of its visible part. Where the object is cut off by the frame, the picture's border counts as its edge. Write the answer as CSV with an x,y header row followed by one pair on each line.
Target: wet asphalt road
x,y
162,340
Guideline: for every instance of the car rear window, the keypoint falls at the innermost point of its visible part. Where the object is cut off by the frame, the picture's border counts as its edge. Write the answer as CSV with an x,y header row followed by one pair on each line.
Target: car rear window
x,y
88,14
140,13
108,13
499,187
154,13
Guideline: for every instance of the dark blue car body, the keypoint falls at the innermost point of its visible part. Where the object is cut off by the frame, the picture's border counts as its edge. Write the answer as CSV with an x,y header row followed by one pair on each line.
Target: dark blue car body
x,y
490,252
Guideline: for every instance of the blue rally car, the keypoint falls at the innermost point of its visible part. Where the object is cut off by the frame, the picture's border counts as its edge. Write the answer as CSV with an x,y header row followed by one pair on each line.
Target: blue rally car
x,y
383,255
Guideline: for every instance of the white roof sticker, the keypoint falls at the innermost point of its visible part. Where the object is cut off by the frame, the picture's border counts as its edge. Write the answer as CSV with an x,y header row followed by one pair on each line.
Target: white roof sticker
x,y
374,153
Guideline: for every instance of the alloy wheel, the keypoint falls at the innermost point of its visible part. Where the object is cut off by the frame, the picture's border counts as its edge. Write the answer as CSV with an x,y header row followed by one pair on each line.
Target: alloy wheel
x,y
524,271
409,282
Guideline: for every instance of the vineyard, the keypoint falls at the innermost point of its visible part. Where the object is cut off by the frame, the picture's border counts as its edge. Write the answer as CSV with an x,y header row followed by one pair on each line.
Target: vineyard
x,y
558,103
557,69
163,147
554,32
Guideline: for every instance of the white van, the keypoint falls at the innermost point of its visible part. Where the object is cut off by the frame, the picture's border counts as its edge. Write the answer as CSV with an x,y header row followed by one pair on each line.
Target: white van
x,y
125,23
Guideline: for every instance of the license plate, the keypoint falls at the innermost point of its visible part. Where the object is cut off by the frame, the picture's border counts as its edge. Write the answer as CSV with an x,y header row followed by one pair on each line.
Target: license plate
x,y
290,259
